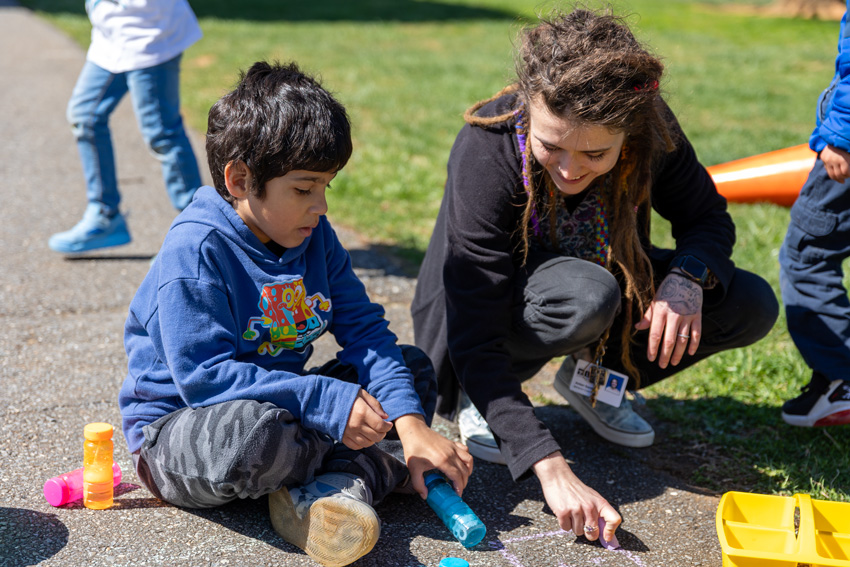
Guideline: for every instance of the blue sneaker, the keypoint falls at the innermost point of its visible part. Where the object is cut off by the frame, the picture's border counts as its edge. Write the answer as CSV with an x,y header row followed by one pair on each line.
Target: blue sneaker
x,y
96,230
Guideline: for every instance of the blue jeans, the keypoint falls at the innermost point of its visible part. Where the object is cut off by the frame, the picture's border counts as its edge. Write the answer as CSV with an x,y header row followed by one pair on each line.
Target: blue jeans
x,y
155,93
816,304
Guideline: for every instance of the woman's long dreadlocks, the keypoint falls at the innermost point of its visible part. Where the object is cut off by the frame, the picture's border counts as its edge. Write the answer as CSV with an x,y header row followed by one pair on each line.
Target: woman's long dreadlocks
x,y
588,68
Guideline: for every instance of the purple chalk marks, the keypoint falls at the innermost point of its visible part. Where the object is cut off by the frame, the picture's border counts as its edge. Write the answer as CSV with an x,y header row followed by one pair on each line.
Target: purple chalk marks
x,y
613,545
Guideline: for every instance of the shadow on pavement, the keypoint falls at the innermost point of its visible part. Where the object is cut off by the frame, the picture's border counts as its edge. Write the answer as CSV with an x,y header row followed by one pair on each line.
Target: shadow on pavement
x,y
100,257
250,518
28,537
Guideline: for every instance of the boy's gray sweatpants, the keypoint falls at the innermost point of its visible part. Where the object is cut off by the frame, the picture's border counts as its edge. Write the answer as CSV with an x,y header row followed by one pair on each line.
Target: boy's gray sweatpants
x,y
208,456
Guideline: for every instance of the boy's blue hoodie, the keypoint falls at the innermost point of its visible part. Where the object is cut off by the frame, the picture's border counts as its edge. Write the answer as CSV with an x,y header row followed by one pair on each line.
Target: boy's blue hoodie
x,y
219,317
833,110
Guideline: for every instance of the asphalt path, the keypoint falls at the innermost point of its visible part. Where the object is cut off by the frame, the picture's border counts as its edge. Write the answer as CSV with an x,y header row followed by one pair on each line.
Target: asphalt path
x,y
62,363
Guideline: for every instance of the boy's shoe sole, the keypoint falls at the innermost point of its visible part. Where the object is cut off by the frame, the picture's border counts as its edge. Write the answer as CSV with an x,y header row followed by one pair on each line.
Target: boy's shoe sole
x,y
336,531
604,430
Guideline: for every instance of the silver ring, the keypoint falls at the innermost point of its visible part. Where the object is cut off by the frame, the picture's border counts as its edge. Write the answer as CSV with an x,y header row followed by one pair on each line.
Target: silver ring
x,y
684,336
590,529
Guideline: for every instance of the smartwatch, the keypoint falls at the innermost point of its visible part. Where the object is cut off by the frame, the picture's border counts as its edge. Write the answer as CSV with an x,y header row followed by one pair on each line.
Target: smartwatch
x,y
692,268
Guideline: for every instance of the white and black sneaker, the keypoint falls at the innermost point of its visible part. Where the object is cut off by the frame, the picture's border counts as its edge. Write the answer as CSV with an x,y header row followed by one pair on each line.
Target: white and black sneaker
x,y
822,403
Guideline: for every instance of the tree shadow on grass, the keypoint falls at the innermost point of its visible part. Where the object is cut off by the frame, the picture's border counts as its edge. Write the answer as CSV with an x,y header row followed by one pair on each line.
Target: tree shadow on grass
x,y
323,10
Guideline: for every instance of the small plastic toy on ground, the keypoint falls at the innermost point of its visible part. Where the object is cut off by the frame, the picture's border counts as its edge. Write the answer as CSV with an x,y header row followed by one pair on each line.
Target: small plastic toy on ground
x,y
782,531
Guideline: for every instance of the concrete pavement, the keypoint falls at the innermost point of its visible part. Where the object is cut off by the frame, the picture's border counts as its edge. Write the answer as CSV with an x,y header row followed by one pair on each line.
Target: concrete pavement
x,y
62,363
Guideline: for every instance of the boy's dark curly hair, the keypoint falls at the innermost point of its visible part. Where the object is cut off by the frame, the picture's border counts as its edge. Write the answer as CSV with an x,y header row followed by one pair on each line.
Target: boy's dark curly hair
x,y
276,120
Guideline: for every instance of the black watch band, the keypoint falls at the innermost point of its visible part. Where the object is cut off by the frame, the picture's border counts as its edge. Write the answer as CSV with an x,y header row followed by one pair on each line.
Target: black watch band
x,y
692,268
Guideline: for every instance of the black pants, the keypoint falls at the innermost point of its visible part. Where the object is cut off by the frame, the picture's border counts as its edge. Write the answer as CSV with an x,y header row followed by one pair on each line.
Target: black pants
x,y
564,304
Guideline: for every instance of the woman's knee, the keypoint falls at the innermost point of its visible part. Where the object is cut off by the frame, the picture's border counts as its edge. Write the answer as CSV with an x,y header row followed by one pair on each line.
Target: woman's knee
x,y
749,310
765,310
566,303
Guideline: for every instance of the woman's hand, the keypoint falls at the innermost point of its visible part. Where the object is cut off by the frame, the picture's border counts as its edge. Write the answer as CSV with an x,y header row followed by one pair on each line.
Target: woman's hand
x,y
574,504
674,320
425,449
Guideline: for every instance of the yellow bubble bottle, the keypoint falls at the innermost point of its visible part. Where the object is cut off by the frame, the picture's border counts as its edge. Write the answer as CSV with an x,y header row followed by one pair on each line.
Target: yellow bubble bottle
x,y
97,466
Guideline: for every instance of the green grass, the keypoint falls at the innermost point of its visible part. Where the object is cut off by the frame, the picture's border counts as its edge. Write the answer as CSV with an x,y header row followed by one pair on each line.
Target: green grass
x,y
406,70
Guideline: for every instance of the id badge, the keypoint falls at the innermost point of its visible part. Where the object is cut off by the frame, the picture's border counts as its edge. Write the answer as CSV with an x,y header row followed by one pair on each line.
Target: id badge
x,y
612,387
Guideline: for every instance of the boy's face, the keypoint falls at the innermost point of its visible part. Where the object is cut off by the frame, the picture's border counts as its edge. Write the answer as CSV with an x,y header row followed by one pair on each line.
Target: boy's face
x,y
290,209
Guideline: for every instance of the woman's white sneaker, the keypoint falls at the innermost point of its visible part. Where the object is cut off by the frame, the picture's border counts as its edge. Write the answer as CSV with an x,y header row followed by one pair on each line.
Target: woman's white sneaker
x,y
476,434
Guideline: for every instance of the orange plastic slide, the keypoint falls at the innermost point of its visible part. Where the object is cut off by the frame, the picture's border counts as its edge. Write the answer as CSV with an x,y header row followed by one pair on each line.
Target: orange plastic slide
x,y
774,177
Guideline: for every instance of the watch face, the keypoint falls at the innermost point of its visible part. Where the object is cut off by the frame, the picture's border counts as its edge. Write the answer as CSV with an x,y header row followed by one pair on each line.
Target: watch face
x,y
693,267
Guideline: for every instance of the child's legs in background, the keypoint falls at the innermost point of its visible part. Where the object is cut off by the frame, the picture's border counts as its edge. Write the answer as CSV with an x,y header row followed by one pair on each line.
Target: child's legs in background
x,y
204,457
155,92
811,274
94,98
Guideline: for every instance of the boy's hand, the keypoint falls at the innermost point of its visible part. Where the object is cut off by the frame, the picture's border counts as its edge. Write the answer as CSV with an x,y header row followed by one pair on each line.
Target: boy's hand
x,y
367,423
837,163
425,449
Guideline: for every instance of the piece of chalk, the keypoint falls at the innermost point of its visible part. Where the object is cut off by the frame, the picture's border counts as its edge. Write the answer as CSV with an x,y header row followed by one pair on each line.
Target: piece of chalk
x,y
613,544
454,562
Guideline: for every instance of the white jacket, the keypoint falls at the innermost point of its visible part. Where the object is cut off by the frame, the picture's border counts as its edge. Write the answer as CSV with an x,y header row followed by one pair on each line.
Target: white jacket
x,y
128,35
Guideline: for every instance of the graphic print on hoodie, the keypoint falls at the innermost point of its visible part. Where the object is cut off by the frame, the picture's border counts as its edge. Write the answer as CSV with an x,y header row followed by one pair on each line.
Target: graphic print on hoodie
x,y
290,316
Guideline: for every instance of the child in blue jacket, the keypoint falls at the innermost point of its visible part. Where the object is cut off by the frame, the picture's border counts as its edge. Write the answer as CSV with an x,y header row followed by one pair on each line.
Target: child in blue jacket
x,y
218,403
816,245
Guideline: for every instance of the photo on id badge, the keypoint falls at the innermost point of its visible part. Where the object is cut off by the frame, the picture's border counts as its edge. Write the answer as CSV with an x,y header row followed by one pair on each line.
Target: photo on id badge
x,y
612,385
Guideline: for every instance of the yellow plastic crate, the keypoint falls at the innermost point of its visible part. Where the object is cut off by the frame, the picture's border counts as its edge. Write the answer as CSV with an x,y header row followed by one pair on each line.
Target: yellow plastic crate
x,y
758,530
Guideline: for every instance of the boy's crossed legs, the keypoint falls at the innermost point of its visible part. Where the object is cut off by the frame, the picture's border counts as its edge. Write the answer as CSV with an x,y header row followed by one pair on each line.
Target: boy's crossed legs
x,y
321,491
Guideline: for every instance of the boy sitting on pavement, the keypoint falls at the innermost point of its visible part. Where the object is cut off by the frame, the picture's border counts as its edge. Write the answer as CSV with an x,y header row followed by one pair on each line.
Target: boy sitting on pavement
x,y
217,404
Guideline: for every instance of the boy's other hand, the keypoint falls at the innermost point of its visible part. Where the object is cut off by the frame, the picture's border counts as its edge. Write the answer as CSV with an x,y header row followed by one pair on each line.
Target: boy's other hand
x,y
367,422
425,449
837,163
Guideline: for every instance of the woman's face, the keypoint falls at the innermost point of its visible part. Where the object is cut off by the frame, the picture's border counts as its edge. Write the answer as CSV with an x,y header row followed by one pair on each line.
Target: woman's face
x,y
573,155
